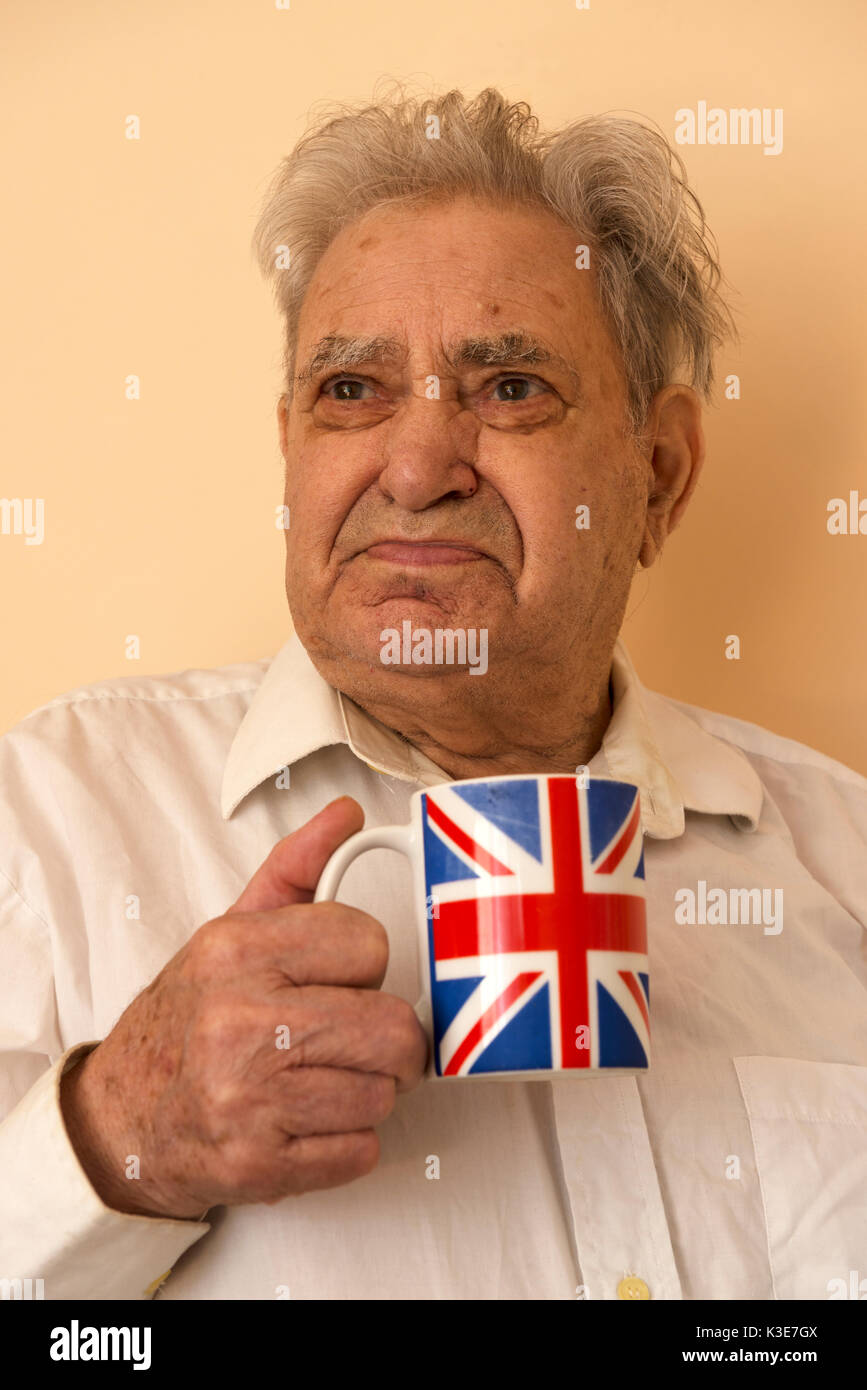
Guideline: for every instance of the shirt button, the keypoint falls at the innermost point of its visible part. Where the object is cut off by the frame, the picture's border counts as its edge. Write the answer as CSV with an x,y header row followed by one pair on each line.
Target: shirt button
x,y
632,1287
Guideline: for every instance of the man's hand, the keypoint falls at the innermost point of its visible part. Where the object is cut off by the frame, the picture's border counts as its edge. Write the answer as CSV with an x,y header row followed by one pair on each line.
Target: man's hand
x,y
195,1079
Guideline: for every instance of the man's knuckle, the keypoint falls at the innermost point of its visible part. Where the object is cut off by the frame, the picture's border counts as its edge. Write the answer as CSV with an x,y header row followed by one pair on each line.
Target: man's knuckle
x,y
383,1095
349,927
406,1029
245,1169
366,933
363,1154
376,943
215,1106
214,948
218,1024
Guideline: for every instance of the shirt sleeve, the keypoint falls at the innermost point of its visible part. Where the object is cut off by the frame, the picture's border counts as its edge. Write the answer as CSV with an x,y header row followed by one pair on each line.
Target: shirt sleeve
x,y
53,1225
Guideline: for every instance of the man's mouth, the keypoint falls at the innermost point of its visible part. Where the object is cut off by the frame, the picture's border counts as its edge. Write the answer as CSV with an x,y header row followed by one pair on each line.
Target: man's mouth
x,y
400,552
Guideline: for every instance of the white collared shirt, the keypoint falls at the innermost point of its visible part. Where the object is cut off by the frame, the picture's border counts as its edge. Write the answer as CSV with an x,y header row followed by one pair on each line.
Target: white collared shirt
x,y
134,810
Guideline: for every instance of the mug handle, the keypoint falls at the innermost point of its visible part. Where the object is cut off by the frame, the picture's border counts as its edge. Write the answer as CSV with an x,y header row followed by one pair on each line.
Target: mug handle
x,y
399,837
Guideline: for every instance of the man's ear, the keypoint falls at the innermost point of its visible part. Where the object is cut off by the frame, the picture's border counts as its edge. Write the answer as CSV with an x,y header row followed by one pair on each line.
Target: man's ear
x,y
675,439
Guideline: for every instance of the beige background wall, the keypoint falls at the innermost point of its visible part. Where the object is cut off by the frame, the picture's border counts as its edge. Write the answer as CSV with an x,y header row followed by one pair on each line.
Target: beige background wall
x,y
132,257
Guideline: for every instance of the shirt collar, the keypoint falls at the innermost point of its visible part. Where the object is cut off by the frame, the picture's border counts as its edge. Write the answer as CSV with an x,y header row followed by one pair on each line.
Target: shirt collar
x,y
649,741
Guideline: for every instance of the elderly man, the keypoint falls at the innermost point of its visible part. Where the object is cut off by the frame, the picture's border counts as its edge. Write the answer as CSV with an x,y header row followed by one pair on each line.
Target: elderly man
x,y
496,347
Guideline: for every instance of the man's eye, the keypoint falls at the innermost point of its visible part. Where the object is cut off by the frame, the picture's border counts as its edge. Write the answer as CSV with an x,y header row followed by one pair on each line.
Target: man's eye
x,y
345,388
513,389
517,388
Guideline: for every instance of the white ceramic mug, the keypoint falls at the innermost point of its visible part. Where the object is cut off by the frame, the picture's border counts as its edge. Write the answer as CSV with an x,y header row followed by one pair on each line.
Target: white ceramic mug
x,y
531,912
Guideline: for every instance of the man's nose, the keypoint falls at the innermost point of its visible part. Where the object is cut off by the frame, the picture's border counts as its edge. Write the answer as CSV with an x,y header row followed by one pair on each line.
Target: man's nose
x,y
430,454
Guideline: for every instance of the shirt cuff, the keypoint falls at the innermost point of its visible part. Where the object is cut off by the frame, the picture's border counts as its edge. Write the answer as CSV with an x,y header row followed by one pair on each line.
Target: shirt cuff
x,y
53,1224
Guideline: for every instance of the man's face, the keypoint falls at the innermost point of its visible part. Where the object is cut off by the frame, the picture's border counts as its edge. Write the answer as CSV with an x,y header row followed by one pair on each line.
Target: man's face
x,y
429,482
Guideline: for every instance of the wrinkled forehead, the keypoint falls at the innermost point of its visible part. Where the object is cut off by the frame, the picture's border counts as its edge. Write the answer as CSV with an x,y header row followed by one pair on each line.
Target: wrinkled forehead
x,y
487,282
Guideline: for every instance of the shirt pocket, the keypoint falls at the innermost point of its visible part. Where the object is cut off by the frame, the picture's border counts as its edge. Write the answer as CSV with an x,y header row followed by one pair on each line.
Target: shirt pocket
x,y
809,1129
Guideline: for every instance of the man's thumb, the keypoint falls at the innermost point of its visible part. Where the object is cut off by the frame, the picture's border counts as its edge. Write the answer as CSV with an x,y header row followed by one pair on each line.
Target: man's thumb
x,y
291,871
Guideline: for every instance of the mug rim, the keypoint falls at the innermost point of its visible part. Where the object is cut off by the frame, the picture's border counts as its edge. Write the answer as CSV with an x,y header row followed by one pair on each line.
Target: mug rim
x,y
528,777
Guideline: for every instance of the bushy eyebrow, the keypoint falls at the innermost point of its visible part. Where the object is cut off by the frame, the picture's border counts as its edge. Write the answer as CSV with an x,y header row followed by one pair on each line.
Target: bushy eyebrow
x,y
513,349
339,353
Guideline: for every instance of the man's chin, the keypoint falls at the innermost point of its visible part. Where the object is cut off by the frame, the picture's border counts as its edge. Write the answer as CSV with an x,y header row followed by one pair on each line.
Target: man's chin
x,y
393,640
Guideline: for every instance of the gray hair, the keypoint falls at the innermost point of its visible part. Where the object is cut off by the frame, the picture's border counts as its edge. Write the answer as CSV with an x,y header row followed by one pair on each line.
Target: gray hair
x,y
617,183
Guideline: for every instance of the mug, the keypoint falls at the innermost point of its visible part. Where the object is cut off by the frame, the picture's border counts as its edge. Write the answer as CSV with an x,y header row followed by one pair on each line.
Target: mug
x,y
531,914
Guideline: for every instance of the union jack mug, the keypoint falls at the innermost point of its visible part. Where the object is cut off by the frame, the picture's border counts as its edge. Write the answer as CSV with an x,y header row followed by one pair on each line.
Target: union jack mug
x,y
532,919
